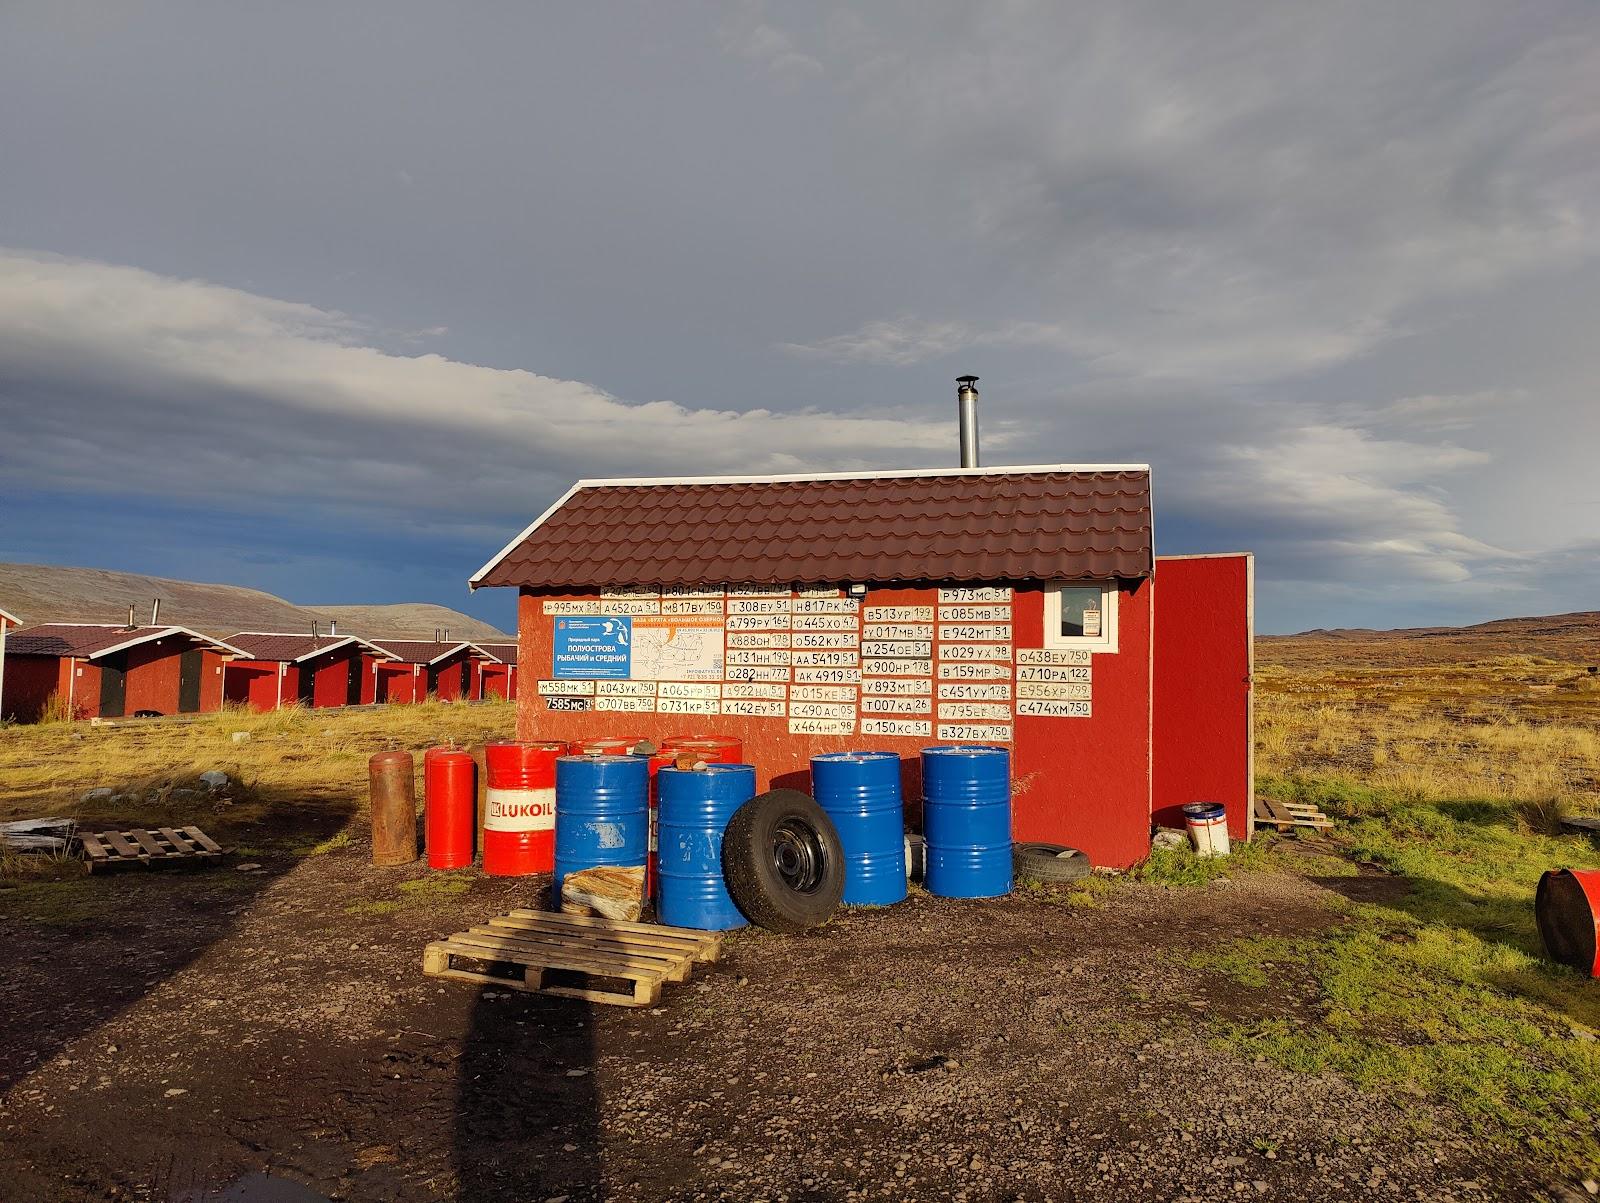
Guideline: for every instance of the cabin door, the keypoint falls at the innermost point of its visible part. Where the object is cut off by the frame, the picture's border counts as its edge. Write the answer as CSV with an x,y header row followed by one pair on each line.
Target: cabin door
x,y
1203,734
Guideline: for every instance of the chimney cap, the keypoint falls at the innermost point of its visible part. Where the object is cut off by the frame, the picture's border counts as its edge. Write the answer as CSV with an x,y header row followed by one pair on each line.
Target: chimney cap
x,y
969,381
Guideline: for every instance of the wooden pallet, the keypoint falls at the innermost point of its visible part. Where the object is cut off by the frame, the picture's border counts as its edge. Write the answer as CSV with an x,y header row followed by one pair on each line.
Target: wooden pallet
x,y
161,846
548,952
1284,815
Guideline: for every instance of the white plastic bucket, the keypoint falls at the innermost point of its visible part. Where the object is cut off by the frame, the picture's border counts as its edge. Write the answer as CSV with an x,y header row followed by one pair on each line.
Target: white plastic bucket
x,y
1208,828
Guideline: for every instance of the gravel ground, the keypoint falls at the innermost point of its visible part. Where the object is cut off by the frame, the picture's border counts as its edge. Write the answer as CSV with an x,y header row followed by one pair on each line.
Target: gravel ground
x,y
1000,1050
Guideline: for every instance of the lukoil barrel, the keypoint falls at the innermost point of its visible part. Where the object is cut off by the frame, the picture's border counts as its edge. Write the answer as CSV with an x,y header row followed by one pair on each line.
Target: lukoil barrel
x,y
966,820
1208,828
713,749
519,807
695,806
1567,909
450,784
861,793
602,809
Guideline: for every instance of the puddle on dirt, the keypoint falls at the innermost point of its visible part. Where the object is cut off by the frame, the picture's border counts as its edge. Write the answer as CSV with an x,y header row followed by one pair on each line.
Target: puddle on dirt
x,y
256,1188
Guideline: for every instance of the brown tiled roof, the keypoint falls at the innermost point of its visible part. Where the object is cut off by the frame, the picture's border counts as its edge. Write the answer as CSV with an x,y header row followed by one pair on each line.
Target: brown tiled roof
x,y
422,651
83,639
260,645
1031,524
500,651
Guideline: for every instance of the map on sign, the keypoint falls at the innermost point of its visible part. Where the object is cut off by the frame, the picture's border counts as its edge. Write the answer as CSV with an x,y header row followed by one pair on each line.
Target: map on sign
x,y
677,649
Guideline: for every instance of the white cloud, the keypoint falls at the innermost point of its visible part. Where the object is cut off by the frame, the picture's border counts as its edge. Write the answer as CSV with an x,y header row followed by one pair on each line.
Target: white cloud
x,y
123,379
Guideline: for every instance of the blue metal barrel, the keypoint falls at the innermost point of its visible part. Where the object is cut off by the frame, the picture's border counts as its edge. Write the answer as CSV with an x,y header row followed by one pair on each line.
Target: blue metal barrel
x,y
861,793
695,806
602,813
966,817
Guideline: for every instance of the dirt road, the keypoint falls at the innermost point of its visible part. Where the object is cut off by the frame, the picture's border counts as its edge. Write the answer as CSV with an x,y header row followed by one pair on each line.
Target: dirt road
x,y
222,1024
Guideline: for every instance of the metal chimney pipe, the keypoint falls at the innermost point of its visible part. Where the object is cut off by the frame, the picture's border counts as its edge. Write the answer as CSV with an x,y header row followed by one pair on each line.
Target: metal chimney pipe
x,y
155,612
967,417
333,627
131,622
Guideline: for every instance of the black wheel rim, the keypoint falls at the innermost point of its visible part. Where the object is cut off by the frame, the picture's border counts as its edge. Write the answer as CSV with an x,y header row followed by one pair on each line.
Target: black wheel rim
x,y
797,855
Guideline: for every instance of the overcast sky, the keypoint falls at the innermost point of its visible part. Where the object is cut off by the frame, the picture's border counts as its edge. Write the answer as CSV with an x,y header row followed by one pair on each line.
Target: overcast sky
x,y
331,300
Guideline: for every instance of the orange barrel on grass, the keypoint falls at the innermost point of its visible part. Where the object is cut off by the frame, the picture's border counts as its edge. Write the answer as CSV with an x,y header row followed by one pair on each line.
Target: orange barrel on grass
x,y
450,782
1567,908
519,821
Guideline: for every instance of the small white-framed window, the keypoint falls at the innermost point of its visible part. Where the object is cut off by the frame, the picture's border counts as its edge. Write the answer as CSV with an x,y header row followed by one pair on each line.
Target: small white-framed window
x,y
1081,614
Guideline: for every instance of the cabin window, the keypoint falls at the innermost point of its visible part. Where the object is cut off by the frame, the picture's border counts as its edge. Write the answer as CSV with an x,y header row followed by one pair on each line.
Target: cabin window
x,y
1081,615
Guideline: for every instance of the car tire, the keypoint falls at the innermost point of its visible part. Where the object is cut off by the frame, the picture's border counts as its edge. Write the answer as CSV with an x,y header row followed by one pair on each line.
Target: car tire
x,y
782,862
1049,862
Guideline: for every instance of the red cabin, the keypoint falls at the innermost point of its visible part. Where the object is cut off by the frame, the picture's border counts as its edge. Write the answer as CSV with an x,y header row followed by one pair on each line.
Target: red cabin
x,y
7,621
420,669
500,680
316,671
100,670
1022,607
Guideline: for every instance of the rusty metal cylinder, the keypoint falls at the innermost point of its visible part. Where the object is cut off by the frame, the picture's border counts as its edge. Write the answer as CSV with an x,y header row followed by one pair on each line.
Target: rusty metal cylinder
x,y
392,780
450,778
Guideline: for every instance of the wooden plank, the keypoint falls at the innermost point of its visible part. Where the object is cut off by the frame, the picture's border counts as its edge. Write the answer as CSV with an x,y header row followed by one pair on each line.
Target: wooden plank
x,y
646,984
671,944
120,845
674,964
180,845
204,840
94,847
151,846
553,956
708,944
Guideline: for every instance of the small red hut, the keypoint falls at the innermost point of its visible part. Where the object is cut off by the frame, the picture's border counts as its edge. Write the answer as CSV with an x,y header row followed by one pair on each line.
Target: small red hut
x,y
500,679
312,670
100,670
419,669
1018,606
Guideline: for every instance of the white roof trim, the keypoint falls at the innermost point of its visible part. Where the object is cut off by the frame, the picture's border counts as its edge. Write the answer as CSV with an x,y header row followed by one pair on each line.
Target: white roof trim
x,y
10,619
160,633
445,655
885,474
338,642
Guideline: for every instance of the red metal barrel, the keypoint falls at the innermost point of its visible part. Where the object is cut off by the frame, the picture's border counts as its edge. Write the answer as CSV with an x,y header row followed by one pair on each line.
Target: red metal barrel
x,y
713,749
450,778
610,745
1567,907
519,824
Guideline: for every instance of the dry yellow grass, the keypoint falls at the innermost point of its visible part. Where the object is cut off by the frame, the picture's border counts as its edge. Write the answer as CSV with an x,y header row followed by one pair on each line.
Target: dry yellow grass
x,y
1521,728
295,762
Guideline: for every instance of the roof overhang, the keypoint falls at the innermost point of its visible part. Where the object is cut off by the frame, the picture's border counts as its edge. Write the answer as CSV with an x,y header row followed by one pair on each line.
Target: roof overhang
x,y
219,645
7,618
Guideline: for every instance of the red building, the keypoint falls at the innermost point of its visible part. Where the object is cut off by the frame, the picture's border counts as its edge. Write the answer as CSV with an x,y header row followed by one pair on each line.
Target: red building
x,y
500,680
7,621
310,670
420,669
107,671
1023,607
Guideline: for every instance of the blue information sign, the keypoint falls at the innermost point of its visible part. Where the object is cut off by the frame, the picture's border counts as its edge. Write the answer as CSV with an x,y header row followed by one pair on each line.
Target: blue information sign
x,y
594,647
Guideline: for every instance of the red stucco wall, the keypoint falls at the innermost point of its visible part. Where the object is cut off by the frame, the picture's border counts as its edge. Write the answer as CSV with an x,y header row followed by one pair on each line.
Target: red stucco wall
x,y
30,680
1203,730
254,683
1082,781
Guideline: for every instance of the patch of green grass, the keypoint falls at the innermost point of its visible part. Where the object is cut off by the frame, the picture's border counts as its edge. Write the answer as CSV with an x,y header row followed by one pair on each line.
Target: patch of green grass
x,y
1442,991
421,892
334,843
1181,867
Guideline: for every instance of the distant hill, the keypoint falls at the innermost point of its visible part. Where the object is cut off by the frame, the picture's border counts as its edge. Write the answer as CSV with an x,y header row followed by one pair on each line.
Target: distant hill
x,y
418,620
1572,638
46,593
